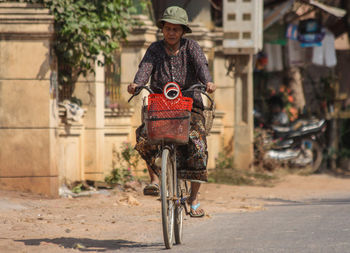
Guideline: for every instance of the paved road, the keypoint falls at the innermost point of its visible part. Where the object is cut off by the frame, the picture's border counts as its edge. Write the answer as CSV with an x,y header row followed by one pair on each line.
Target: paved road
x,y
310,226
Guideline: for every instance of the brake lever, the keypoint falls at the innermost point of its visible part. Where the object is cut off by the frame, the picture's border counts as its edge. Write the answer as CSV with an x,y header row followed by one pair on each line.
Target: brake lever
x,y
138,90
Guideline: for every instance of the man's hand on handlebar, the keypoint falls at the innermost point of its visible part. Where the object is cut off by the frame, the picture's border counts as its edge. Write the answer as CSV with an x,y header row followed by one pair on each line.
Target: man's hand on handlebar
x,y
132,87
211,87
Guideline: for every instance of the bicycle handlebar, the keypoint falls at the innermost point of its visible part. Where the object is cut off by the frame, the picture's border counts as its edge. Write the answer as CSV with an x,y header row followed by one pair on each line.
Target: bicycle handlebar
x,y
202,88
138,91
199,86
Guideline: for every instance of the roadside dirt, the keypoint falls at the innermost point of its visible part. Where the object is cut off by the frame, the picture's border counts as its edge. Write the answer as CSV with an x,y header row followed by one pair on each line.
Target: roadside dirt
x,y
109,220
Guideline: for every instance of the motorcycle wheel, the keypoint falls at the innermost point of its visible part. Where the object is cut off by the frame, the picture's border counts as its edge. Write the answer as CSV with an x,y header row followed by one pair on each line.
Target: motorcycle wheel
x,y
317,157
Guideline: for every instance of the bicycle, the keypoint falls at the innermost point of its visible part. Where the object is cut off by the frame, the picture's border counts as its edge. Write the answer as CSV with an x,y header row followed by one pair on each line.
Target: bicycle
x,y
164,111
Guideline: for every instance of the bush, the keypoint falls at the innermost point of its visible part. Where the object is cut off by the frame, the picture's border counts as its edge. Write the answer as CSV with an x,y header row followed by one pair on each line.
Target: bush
x,y
124,162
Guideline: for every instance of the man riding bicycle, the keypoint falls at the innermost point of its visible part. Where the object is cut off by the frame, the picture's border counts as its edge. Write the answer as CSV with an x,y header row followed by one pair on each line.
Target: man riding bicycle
x,y
180,60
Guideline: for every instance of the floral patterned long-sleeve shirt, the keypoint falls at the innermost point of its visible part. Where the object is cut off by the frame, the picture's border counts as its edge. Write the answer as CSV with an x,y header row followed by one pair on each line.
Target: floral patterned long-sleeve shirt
x,y
189,66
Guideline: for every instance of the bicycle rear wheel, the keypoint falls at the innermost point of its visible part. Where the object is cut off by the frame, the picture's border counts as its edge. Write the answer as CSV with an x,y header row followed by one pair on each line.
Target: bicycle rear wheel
x,y
167,198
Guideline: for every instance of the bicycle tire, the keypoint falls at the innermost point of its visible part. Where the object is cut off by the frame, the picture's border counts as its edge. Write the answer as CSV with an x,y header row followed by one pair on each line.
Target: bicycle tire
x,y
179,212
167,194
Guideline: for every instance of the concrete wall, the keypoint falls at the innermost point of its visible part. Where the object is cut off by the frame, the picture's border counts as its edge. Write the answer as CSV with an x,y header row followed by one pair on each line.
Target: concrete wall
x,y
28,111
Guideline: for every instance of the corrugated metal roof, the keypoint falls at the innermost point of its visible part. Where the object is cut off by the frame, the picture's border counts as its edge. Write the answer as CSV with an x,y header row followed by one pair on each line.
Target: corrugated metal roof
x,y
335,11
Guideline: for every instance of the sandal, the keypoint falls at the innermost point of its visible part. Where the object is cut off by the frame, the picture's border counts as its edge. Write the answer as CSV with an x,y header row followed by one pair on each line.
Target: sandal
x,y
194,209
152,190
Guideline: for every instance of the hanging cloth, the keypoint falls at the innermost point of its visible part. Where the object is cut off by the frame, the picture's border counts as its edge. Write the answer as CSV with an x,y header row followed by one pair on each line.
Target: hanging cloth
x,y
292,32
296,53
325,55
310,33
274,57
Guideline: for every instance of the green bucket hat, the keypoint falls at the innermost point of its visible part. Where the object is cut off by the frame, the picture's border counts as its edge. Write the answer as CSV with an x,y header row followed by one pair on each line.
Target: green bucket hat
x,y
175,15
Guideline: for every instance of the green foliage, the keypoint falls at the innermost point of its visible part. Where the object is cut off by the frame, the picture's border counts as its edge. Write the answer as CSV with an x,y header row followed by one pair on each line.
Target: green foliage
x,y
77,189
87,28
115,177
124,162
224,161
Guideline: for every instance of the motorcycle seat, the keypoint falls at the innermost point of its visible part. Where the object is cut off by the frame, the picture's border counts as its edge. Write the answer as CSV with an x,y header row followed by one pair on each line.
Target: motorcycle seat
x,y
301,127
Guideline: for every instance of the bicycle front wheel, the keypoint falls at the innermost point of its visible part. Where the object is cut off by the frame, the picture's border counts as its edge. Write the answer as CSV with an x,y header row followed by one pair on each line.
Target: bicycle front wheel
x,y
179,210
167,198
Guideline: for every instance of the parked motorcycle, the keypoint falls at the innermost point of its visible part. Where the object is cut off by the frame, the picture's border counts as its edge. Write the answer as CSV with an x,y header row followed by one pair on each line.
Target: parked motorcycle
x,y
300,144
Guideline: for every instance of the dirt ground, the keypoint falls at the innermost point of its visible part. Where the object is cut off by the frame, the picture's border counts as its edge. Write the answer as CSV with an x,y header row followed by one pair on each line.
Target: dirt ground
x,y
108,220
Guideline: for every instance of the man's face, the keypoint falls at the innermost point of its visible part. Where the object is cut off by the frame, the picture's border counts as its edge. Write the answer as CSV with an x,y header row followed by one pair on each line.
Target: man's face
x,y
172,33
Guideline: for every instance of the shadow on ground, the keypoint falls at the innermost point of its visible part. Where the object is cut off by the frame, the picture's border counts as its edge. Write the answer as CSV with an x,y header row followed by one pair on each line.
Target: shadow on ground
x,y
86,245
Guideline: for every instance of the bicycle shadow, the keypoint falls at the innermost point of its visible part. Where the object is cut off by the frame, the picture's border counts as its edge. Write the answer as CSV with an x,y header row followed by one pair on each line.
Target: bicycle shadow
x,y
86,244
